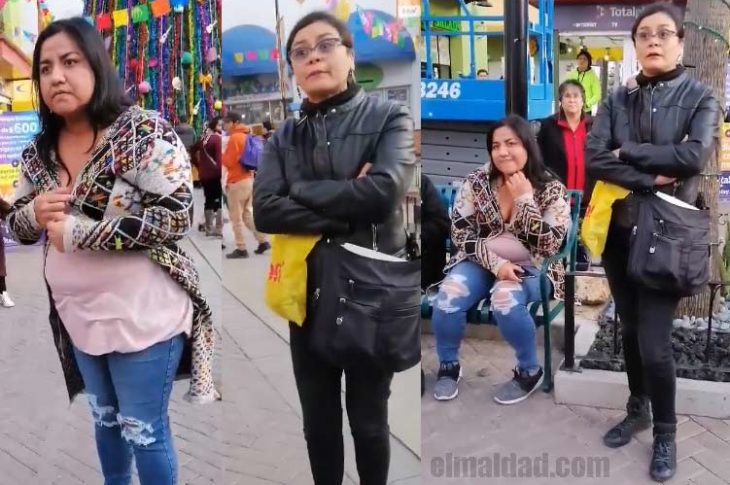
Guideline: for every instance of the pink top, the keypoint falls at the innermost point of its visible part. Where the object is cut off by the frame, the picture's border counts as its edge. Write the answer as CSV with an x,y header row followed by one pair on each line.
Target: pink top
x,y
508,247
116,301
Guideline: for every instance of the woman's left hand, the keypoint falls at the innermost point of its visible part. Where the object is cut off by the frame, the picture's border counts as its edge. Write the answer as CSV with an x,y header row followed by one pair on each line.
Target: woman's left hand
x,y
55,230
518,185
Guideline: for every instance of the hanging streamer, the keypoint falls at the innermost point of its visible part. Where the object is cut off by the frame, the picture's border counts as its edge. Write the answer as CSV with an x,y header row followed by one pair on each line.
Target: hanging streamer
x,y
157,44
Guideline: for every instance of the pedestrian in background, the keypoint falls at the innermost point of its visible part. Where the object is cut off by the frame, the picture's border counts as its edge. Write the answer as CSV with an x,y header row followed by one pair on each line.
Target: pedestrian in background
x,y
587,77
239,188
206,155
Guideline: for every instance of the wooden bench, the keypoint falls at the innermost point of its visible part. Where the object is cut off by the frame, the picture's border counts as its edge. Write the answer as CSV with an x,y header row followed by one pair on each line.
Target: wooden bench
x,y
480,314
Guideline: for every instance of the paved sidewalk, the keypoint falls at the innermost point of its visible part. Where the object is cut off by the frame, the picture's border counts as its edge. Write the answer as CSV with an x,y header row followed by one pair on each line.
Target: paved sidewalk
x,y
259,390
43,440
474,426
254,436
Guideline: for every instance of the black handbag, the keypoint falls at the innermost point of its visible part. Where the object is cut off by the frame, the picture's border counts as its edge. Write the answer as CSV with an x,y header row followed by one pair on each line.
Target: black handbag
x,y
363,311
669,247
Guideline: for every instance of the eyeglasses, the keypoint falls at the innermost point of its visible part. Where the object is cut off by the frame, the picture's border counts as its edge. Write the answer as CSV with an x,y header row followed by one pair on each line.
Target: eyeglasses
x,y
324,47
663,35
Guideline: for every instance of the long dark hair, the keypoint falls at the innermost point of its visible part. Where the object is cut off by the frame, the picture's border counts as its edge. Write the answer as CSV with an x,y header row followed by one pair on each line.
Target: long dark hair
x,y
535,170
108,100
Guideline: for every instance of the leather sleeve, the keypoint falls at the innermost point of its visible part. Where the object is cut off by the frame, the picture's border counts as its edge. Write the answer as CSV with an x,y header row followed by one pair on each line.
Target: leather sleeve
x,y
274,211
602,163
685,159
373,198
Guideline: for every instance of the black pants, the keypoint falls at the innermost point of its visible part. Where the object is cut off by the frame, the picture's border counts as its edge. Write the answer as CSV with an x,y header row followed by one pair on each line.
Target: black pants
x,y
646,327
366,397
213,192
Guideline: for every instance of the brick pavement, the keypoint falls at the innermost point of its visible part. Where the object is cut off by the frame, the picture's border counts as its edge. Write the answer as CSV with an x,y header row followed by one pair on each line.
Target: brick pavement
x,y
254,436
475,426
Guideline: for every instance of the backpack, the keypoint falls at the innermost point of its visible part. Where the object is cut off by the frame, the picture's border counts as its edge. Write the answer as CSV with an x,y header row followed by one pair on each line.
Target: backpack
x,y
252,150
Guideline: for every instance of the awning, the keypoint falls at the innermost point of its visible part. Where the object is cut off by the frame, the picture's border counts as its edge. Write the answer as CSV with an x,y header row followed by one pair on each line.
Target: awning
x,y
250,49
14,63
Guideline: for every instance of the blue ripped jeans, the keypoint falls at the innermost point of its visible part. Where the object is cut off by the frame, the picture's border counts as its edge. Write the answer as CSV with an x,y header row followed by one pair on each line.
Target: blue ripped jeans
x,y
468,283
129,395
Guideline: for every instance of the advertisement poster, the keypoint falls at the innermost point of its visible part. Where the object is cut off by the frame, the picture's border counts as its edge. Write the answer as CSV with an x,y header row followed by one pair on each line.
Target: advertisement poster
x,y
725,148
16,131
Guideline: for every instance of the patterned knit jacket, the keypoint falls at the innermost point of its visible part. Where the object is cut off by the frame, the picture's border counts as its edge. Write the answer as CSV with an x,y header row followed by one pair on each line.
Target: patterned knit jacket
x,y
134,194
540,222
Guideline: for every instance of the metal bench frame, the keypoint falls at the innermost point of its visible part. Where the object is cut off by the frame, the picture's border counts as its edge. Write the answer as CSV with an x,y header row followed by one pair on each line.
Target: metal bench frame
x,y
480,314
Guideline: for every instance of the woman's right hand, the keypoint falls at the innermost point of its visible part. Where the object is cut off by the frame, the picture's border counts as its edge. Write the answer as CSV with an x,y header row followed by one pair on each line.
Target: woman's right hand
x,y
49,205
510,272
662,180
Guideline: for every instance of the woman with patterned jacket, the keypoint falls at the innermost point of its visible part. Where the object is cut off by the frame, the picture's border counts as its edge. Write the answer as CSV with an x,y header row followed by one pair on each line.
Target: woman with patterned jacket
x,y
110,185
507,218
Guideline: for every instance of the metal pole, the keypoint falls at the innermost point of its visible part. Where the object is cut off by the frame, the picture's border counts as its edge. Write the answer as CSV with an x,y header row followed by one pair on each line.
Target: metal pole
x,y
569,321
515,37
280,62
426,14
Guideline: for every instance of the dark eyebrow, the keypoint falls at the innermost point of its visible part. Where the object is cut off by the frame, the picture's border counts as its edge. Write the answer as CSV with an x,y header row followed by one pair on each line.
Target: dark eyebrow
x,y
646,27
319,37
63,56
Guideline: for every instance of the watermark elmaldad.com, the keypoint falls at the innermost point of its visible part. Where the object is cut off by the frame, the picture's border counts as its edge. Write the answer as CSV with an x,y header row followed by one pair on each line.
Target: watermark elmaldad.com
x,y
512,465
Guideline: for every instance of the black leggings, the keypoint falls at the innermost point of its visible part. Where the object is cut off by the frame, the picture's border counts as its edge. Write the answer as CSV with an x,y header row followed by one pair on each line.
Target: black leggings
x,y
213,192
3,287
366,397
646,327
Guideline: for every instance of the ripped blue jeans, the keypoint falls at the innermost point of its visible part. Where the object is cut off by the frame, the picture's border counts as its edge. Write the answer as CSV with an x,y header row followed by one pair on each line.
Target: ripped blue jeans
x,y
468,283
129,394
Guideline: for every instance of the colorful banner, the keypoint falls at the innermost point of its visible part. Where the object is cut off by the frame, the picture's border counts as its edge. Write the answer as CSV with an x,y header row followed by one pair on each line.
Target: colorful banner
x,y
16,131
409,12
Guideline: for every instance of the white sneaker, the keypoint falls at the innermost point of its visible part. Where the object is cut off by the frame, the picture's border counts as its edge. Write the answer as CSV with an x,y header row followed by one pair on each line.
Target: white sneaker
x,y
5,300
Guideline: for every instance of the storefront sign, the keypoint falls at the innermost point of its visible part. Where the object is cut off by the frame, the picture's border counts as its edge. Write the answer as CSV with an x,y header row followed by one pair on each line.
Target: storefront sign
x,y
596,18
724,196
16,130
725,148
447,25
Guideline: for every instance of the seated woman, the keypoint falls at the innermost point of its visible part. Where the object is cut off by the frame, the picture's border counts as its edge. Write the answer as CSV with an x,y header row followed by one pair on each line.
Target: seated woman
x,y
506,219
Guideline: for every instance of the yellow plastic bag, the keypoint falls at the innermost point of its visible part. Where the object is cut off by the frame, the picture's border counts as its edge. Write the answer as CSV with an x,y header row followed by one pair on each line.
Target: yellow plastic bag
x,y
286,284
594,230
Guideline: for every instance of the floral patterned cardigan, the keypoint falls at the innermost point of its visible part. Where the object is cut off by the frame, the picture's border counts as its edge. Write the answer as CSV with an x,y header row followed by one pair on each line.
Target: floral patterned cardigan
x,y
134,194
540,222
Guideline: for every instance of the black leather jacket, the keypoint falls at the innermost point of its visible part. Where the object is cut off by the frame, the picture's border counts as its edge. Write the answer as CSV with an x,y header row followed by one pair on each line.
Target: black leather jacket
x,y
667,129
307,181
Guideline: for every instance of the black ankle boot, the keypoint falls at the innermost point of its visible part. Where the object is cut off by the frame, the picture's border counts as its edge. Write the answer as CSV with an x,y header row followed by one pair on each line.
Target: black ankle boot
x,y
664,457
638,418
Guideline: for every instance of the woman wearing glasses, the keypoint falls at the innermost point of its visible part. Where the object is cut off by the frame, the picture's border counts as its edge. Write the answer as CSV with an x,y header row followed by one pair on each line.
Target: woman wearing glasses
x,y
656,133
343,167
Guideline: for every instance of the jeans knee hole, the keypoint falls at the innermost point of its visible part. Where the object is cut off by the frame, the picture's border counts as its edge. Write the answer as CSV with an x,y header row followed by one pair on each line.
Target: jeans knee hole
x,y
135,431
103,416
454,287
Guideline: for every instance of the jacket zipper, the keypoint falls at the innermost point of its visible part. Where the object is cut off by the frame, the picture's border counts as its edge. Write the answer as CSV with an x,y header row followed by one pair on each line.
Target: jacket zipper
x,y
651,114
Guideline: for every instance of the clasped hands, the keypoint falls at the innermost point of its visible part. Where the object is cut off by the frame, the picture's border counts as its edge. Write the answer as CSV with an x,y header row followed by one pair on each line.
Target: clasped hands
x,y
51,212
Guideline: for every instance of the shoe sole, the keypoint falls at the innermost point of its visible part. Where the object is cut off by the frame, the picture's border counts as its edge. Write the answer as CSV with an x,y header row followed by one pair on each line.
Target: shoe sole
x,y
520,399
452,396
